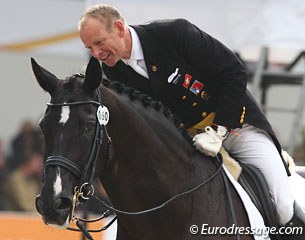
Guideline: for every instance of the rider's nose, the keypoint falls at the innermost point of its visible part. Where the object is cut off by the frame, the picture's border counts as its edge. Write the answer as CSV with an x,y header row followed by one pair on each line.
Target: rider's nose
x,y
95,52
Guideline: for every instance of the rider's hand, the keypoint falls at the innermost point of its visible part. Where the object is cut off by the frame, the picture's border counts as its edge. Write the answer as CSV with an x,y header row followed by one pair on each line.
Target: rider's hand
x,y
210,141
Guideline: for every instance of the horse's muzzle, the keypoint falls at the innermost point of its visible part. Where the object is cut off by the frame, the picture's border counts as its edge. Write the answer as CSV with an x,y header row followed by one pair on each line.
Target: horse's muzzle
x,y
55,212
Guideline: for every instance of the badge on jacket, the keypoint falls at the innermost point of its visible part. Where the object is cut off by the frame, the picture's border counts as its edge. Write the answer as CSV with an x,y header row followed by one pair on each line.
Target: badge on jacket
x,y
196,87
173,78
187,81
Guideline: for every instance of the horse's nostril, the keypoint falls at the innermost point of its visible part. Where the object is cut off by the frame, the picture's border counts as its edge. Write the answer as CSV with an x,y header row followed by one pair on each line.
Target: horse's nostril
x,y
39,204
62,203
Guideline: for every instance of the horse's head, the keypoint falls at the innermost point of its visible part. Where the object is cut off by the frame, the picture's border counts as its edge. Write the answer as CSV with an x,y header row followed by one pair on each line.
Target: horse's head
x,y
70,127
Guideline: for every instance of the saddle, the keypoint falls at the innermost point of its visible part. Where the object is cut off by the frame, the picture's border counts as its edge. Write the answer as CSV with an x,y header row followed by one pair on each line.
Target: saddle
x,y
254,183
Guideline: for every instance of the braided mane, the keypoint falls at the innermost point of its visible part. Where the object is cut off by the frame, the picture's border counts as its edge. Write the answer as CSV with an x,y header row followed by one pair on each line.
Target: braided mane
x,y
147,101
135,95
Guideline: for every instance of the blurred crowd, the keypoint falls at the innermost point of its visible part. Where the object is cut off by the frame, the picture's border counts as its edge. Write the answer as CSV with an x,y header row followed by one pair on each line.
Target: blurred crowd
x,y
21,169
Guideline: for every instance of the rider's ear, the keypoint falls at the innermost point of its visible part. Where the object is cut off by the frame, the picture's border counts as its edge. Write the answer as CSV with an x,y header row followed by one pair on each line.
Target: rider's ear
x,y
93,75
46,80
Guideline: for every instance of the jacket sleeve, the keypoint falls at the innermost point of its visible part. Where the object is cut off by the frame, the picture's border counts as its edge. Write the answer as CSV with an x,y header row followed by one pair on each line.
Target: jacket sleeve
x,y
226,75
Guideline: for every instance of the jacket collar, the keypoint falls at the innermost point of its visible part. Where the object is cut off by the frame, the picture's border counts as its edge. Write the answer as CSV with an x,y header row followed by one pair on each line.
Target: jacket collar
x,y
136,47
148,46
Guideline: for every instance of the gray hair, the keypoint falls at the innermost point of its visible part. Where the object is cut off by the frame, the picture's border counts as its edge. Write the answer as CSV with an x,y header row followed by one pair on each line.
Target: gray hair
x,y
104,13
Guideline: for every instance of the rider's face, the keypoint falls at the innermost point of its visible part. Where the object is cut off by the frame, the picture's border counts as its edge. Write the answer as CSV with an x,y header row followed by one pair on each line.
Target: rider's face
x,y
107,45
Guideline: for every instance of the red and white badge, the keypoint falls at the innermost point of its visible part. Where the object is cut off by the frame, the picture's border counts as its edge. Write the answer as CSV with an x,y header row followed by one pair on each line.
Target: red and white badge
x,y
187,81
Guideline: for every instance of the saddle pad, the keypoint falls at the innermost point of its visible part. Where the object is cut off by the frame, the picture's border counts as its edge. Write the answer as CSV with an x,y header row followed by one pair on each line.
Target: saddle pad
x,y
297,183
255,218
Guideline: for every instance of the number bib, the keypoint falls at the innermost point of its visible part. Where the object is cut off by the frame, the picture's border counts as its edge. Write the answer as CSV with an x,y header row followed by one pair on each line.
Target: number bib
x,y
102,115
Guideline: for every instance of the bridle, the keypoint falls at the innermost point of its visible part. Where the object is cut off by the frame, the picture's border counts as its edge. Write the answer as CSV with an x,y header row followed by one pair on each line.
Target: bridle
x,y
87,173
85,189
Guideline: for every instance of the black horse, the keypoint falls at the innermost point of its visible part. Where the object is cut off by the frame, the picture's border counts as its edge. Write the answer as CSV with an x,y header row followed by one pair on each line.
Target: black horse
x,y
145,161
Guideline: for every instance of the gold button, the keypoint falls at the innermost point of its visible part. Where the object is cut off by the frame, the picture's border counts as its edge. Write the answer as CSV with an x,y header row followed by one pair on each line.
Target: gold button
x,y
154,68
244,110
241,121
184,97
194,104
204,114
181,125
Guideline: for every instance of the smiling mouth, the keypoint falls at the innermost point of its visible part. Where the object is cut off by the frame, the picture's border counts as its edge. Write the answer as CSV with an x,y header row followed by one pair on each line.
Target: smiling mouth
x,y
105,57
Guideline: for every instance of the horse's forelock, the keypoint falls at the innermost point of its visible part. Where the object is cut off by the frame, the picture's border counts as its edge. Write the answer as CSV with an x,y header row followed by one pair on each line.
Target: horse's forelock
x,y
73,81
70,89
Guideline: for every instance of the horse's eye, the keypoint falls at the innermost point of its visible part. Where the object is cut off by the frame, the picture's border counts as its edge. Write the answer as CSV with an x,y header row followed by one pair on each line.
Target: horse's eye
x,y
89,128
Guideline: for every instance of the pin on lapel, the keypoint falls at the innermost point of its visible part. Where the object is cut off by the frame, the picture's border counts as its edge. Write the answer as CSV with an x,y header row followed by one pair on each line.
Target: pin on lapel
x,y
154,68
173,78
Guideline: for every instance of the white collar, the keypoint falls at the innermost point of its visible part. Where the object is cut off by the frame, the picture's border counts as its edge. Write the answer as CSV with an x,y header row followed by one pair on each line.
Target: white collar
x,y
136,48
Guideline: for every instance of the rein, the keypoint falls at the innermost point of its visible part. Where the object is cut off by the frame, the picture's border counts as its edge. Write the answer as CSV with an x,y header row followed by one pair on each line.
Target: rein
x,y
165,203
111,209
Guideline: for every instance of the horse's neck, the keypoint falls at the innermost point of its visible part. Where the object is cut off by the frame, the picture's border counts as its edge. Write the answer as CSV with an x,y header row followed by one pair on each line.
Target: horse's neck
x,y
151,164
140,131
151,158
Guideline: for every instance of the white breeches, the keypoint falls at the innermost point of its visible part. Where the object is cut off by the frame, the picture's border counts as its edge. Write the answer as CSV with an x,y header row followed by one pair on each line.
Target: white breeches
x,y
254,146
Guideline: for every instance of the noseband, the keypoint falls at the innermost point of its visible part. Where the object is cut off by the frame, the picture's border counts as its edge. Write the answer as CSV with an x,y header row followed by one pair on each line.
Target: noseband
x,y
86,174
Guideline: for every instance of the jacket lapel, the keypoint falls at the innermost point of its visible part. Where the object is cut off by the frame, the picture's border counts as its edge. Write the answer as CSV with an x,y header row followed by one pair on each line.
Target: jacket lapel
x,y
152,59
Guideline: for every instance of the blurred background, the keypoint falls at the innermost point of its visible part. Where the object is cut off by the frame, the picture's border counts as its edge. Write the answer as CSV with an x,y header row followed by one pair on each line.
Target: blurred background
x,y
268,36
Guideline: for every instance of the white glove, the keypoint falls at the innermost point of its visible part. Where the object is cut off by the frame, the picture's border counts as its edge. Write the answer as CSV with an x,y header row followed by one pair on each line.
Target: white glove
x,y
210,141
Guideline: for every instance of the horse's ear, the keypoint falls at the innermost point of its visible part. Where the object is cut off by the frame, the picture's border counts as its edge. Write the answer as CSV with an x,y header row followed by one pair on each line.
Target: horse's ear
x,y
45,79
93,75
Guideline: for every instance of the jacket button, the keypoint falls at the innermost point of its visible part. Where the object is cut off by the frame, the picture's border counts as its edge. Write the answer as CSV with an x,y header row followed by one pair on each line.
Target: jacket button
x,y
241,121
194,104
184,97
154,68
204,114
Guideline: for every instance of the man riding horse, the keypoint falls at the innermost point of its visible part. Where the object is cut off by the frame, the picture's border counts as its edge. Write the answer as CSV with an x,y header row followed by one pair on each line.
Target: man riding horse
x,y
202,81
